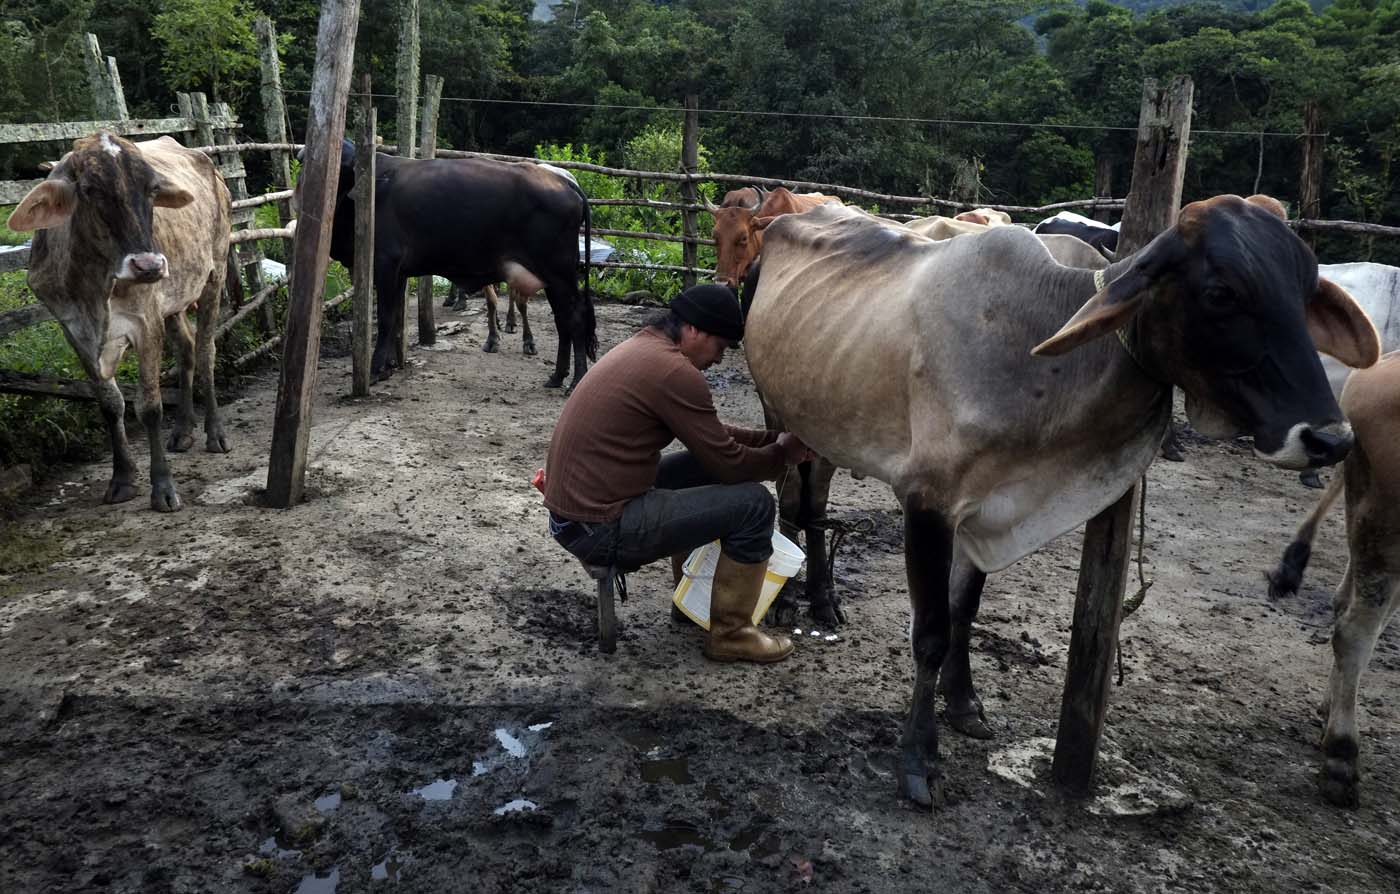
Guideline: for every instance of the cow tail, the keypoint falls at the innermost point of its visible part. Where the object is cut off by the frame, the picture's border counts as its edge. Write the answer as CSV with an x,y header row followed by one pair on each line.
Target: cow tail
x,y
589,319
1288,576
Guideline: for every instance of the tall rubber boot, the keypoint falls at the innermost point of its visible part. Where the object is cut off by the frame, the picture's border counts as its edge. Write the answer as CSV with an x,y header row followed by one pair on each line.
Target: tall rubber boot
x,y
733,598
677,564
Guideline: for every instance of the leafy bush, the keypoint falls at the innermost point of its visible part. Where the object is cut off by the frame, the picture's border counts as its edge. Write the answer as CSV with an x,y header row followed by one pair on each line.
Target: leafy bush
x,y
656,148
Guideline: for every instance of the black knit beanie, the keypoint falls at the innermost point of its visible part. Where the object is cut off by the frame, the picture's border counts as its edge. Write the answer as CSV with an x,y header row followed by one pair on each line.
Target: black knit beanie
x,y
711,308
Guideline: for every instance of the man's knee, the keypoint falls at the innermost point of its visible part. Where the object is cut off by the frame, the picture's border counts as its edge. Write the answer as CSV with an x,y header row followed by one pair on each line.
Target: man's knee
x,y
760,504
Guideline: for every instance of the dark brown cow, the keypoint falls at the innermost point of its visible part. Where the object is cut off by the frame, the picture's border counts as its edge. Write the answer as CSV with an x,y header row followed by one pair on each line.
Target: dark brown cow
x,y
738,232
129,237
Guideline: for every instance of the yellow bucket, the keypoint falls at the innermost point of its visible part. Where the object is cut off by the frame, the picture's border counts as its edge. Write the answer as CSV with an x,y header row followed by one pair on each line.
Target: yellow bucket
x,y
698,574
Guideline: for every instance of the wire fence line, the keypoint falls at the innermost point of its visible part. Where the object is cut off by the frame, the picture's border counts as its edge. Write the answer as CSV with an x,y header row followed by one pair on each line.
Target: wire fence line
x,y
831,116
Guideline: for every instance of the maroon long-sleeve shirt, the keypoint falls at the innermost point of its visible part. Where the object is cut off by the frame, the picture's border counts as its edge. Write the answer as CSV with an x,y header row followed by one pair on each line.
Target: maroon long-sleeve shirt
x,y
639,397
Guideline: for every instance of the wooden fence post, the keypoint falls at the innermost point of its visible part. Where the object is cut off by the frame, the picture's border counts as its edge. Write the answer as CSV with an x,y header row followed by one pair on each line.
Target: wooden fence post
x,y
1159,170
427,147
108,100
406,124
690,164
274,112
1103,185
247,256
1310,183
325,128
363,299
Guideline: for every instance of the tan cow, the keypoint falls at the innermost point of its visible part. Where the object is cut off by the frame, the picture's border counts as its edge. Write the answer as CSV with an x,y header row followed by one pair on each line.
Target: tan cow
x,y
1369,593
997,432
738,231
964,224
130,235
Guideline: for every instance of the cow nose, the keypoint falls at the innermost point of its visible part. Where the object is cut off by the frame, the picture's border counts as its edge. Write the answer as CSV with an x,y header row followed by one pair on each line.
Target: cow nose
x,y
146,266
1325,448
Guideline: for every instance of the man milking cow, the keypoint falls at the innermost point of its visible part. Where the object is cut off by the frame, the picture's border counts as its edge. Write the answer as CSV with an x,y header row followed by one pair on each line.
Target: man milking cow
x,y
614,500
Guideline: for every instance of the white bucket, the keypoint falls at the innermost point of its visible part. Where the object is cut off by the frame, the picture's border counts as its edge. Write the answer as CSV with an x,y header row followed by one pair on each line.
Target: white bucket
x,y
698,574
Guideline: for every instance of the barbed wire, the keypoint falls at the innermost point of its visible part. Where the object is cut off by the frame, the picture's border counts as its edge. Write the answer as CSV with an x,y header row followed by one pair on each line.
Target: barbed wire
x,y
889,119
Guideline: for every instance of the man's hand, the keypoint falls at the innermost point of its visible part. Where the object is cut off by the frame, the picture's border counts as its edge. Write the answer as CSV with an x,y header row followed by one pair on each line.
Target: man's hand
x,y
795,451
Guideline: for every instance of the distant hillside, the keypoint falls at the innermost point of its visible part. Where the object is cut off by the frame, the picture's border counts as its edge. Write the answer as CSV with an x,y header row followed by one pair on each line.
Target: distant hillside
x,y
1144,6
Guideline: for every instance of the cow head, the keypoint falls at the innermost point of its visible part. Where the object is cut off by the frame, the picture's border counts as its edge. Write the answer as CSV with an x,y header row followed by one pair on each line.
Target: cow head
x,y
106,192
738,241
1227,304
750,197
343,217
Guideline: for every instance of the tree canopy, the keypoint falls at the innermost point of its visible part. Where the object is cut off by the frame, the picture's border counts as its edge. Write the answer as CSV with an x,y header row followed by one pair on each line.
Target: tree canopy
x,y
999,100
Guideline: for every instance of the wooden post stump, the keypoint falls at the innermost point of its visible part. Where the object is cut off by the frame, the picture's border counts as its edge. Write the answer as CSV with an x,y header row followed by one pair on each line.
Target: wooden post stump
x,y
690,163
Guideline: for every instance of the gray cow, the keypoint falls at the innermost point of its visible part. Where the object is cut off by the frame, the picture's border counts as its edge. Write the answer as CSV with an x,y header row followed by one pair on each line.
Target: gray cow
x,y
129,237
997,432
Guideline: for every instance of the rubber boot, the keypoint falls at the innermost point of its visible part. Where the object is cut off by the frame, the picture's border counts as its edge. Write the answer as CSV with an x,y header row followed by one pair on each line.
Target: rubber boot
x,y
733,598
677,564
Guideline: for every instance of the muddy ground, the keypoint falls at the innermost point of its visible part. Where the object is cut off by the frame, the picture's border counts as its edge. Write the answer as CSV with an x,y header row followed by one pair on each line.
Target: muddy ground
x,y
397,686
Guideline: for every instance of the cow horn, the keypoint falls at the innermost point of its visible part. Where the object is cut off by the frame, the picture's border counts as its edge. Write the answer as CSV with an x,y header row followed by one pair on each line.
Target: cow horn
x,y
709,206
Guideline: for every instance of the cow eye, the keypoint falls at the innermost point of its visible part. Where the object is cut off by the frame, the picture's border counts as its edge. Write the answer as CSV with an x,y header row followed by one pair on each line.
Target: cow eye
x,y
1218,300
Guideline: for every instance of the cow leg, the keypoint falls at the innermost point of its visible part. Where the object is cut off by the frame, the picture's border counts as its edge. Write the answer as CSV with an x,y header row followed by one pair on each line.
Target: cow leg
x,y
163,495
389,288
510,310
928,552
785,608
563,327
207,319
177,329
823,604
113,406
964,711
1362,612
519,300
493,326
456,296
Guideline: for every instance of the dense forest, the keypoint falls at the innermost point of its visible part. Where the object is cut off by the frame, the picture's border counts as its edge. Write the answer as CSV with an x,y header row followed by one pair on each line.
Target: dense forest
x,y
1002,100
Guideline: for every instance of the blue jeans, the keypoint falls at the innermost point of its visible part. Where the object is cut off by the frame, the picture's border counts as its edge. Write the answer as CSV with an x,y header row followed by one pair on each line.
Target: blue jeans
x,y
685,509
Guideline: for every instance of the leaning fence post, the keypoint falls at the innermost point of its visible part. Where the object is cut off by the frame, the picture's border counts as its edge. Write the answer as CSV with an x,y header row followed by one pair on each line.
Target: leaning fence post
x,y
1159,170
325,128
106,84
364,244
274,112
690,164
432,94
1310,183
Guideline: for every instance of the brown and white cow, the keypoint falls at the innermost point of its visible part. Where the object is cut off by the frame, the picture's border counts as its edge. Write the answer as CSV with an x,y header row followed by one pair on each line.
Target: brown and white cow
x,y
1369,593
130,235
738,231
998,433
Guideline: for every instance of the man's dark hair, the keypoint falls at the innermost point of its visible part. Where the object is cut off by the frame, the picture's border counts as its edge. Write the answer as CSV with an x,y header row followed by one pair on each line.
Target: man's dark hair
x,y
667,322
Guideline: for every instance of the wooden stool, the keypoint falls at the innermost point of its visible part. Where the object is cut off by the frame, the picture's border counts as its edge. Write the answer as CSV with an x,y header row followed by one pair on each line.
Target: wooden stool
x,y
612,581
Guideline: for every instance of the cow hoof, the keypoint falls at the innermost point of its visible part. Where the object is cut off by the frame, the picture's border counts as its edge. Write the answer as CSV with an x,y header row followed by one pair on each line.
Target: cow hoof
x,y
510,327
828,614
1309,478
180,441
919,783
1171,452
164,498
784,614
971,723
119,492
216,442
491,346
1340,784
529,348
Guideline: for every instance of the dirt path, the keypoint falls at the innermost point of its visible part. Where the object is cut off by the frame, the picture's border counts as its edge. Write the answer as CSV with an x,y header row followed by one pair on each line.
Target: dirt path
x,y
240,699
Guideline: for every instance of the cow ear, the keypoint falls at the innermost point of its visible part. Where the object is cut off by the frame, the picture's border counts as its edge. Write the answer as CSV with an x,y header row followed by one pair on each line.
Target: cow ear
x,y
1340,327
1112,306
47,205
761,223
168,195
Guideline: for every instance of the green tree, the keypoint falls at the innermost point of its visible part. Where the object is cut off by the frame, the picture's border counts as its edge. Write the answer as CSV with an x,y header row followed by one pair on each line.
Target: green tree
x,y
207,43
